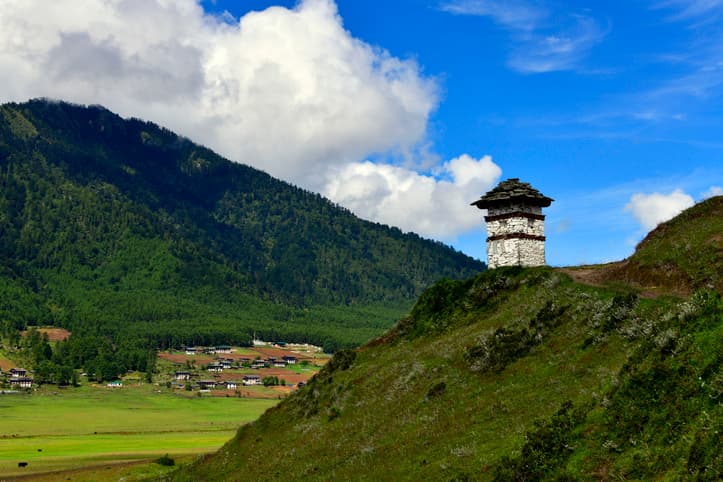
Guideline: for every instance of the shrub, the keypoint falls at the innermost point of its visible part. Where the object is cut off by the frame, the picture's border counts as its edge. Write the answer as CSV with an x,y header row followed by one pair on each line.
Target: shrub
x,y
165,461
546,448
436,390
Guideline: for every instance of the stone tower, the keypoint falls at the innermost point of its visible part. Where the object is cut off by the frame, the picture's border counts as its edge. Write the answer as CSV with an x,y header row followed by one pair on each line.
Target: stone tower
x,y
515,224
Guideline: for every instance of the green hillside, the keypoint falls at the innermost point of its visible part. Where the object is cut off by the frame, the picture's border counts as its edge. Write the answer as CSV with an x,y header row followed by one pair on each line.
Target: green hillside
x,y
515,374
681,255
123,230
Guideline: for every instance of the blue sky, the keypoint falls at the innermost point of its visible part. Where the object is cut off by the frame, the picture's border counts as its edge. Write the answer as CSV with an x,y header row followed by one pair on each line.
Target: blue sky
x,y
614,109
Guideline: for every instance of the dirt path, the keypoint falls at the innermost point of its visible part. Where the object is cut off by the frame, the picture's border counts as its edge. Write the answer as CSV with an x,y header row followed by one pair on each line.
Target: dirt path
x,y
607,274
595,275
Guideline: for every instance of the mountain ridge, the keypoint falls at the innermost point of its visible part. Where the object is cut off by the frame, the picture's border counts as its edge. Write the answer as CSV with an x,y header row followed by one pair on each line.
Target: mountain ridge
x,y
111,224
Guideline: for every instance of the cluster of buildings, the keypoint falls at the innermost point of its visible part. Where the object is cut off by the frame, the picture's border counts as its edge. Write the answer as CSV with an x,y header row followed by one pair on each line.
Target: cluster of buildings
x,y
223,363
207,350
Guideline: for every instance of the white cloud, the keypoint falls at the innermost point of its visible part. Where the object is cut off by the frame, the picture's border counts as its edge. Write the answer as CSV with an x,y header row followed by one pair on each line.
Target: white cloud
x,y
514,14
713,191
544,40
686,9
289,91
558,50
652,209
436,206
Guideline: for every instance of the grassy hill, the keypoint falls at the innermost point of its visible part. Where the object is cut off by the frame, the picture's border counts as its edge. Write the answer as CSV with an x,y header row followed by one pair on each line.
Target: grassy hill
x,y
519,374
681,255
119,228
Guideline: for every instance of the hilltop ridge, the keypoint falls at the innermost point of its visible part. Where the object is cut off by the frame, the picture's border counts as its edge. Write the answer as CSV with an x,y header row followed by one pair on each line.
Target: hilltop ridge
x,y
518,374
677,257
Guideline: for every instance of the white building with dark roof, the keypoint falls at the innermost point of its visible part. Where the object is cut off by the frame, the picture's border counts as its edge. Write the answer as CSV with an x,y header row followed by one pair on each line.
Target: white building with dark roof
x,y
515,224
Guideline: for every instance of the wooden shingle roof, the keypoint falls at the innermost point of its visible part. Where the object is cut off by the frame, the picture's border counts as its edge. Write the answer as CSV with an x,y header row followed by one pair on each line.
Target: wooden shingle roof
x,y
510,191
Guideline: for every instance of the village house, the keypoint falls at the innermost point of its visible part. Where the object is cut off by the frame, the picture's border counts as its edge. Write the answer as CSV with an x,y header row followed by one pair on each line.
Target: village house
x,y
225,362
183,375
223,349
231,385
190,350
115,384
21,382
214,367
290,360
251,380
206,384
258,364
279,364
18,372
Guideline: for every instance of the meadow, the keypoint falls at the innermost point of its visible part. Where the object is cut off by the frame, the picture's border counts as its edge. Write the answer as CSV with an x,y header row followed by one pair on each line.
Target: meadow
x,y
59,430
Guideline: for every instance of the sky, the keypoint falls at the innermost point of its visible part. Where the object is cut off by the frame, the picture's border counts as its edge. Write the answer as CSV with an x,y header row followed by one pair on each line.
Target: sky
x,y
407,111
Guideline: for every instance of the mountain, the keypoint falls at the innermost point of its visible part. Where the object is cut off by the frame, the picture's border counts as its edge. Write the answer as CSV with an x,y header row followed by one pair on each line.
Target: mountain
x,y
520,374
120,228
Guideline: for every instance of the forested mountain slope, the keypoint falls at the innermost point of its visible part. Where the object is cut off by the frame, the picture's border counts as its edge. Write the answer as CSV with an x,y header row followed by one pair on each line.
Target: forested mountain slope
x,y
110,225
517,374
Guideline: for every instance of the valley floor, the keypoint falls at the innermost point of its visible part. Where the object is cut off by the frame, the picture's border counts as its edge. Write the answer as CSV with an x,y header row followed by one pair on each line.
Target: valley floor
x,y
58,431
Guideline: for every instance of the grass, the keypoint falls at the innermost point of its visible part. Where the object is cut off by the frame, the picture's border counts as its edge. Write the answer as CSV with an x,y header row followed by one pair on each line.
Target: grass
x,y
683,254
414,406
133,471
66,429
5,363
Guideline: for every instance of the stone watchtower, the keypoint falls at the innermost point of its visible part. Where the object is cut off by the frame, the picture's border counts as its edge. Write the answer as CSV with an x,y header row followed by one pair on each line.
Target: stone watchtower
x,y
515,224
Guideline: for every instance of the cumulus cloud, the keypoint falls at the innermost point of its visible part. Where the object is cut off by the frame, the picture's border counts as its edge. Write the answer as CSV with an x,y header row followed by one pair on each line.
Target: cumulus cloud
x,y
289,91
713,191
653,209
433,205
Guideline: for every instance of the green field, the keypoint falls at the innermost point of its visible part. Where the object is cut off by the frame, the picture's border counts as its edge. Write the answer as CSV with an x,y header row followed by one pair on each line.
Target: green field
x,y
56,430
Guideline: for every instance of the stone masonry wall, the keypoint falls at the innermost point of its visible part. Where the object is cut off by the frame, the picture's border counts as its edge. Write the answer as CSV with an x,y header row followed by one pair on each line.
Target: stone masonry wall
x,y
515,251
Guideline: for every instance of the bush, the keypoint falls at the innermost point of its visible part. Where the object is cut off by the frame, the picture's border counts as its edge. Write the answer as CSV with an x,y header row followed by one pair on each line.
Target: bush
x,y
436,390
165,461
505,345
546,448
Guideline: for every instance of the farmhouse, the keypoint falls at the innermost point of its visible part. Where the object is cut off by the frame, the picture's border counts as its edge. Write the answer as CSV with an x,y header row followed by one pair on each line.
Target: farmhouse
x,y
183,375
21,382
191,350
223,349
290,360
251,380
231,385
214,367
206,384
225,362
279,364
115,384
18,372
